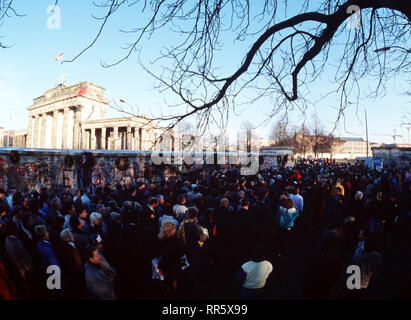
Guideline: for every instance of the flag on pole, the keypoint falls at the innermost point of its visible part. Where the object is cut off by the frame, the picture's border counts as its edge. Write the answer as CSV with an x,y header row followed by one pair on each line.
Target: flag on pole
x,y
59,57
82,91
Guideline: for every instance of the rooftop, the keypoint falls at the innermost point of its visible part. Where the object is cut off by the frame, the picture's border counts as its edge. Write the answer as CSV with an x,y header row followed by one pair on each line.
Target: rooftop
x,y
351,139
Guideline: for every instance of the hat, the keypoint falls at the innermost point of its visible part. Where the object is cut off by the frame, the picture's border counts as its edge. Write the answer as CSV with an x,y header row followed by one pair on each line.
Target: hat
x,y
115,216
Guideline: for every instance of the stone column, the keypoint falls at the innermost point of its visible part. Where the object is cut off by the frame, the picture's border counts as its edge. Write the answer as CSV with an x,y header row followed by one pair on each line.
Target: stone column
x,y
136,139
29,133
93,139
116,139
76,129
65,128
86,139
54,130
34,141
43,130
103,138
143,139
83,138
129,137
132,139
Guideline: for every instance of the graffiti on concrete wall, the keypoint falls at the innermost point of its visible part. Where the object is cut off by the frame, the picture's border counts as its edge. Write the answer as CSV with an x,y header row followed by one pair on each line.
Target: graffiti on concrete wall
x,y
3,173
29,174
65,177
99,174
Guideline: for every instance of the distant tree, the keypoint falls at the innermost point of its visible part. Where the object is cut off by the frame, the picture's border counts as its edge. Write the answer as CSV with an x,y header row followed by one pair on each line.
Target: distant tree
x,y
318,133
331,143
301,139
280,134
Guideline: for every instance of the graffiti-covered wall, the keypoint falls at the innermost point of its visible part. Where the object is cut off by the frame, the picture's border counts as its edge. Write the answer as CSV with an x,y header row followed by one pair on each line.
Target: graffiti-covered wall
x,y
27,169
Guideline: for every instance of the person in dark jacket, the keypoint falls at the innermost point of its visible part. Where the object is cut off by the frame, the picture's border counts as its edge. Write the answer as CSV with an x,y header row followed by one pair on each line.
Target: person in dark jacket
x,y
171,251
98,284
45,248
47,258
193,237
71,267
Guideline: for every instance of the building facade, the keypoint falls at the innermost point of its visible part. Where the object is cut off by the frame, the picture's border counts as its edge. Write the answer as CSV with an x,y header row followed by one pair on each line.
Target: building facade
x,y
72,117
394,154
351,148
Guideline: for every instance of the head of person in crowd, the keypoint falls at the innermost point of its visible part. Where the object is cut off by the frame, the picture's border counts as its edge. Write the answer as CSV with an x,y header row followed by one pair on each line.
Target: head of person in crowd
x,y
296,189
18,212
113,206
338,191
167,230
17,198
245,204
43,198
160,199
153,202
34,205
28,221
379,195
96,241
97,199
100,208
81,210
68,208
181,199
241,194
338,228
96,219
128,205
78,192
75,223
359,195
41,232
286,203
92,256
55,204
115,218
192,213
3,193
25,202
224,203
67,236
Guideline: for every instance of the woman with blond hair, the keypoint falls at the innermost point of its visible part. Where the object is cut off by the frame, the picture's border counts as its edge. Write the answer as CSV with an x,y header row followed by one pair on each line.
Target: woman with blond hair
x,y
171,252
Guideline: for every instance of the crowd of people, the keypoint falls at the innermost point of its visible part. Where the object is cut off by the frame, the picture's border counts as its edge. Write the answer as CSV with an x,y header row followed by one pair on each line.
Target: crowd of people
x,y
202,234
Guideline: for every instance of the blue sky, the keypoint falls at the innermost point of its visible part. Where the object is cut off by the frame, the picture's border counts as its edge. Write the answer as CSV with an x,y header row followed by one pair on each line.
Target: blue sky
x,y
27,70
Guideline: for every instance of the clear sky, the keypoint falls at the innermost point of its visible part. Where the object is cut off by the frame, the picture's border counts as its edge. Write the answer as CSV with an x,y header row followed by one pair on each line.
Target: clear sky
x,y
27,70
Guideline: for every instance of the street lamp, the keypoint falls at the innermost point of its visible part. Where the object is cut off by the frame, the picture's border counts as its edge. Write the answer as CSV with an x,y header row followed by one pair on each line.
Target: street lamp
x,y
392,47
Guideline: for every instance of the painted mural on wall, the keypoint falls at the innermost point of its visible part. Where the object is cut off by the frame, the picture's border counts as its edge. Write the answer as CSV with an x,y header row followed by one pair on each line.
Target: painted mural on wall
x,y
61,171
65,171
29,174
3,173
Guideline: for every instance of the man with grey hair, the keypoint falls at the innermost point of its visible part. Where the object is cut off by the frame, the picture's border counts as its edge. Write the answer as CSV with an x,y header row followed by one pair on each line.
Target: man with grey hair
x,y
180,210
97,225
71,266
